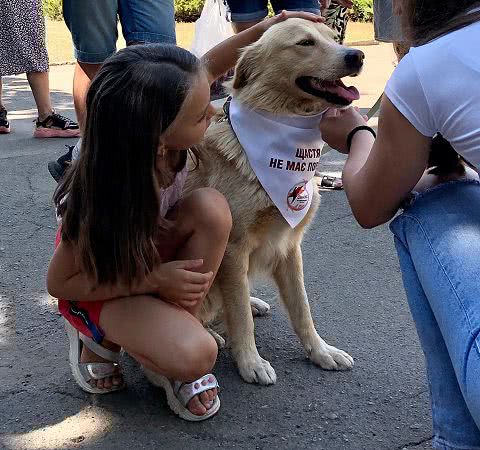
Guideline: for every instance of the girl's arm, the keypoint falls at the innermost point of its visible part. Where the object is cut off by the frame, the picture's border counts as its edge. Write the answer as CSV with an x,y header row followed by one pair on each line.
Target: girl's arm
x,y
224,56
178,282
378,175
65,280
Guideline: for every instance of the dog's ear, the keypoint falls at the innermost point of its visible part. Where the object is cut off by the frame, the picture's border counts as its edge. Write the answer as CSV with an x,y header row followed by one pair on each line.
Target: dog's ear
x,y
242,71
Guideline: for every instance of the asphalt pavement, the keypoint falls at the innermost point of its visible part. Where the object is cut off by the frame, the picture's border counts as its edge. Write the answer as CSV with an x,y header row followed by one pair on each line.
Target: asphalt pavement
x,y
357,299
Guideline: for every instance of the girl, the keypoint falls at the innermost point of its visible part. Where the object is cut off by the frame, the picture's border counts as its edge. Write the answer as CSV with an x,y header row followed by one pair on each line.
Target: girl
x,y
433,90
134,258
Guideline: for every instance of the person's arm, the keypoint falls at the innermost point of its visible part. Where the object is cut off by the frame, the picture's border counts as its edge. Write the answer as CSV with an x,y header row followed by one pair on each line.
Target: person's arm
x,y
174,281
224,56
378,174
377,181
66,280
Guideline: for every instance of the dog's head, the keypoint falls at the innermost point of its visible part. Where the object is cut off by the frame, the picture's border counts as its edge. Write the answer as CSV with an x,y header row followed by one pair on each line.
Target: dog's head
x,y
296,68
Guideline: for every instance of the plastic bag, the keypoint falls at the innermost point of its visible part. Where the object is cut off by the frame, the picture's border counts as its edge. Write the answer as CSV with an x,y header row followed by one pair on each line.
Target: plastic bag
x,y
211,28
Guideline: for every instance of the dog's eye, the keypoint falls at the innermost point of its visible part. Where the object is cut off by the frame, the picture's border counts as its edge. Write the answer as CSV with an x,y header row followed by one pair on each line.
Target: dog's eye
x,y
306,42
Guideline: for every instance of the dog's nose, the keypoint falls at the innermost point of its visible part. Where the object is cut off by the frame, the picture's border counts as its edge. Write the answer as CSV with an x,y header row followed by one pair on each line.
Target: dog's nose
x,y
354,59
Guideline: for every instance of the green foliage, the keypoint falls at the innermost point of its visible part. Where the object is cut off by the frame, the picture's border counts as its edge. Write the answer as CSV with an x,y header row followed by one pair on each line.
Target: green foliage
x,y
362,11
189,10
53,9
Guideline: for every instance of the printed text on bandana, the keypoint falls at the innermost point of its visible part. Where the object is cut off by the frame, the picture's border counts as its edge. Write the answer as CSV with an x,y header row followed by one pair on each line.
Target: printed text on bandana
x,y
284,152
298,166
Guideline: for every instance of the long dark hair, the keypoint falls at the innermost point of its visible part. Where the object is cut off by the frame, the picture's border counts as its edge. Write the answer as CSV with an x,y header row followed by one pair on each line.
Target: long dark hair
x,y
425,20
108,201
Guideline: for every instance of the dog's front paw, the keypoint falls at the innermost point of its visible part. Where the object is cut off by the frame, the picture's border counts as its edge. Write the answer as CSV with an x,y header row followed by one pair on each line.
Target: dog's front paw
x,y
259,307
330,358
255,369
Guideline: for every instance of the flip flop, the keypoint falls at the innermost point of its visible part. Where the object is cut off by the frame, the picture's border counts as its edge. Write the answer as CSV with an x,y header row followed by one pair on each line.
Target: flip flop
x,y
179,394
83,373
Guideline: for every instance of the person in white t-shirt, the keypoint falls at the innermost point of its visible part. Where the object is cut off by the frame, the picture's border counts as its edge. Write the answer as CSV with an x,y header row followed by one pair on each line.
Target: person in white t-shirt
x,y
434,89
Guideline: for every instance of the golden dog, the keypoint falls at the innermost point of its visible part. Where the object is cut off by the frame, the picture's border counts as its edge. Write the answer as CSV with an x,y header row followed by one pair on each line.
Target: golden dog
x,y
295,69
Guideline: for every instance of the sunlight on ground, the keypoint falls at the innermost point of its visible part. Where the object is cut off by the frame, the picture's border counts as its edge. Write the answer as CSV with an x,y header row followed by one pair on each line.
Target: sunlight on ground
x,y
23,114
88,425
60,47
3,321
48,302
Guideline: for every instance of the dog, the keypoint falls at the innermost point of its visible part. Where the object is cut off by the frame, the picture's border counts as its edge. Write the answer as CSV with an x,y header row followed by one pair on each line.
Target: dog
x,y
293,69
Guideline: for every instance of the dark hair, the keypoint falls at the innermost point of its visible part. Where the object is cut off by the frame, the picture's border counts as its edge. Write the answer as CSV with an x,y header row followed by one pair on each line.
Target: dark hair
x,y
108,201
443,159
425,20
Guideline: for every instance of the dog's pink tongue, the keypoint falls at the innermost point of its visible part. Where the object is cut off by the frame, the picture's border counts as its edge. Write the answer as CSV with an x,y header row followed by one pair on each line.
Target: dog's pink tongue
x,y
349,93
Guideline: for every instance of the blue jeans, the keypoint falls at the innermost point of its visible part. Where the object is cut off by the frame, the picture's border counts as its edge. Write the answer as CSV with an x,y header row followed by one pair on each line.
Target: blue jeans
x,y
93,25
438,243
256,10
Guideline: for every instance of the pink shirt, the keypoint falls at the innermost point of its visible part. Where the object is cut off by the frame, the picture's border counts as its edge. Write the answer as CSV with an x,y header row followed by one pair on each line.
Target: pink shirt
x,y
171,194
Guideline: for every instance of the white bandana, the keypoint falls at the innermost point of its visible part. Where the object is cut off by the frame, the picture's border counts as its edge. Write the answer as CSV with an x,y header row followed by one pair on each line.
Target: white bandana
x,y
284,152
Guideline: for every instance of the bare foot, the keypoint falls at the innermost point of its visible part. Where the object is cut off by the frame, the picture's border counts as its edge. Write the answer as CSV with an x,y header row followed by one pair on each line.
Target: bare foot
x,y
90,357
199,404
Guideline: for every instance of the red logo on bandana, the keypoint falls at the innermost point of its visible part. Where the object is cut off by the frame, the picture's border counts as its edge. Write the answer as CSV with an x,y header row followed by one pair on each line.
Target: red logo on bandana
x,y
298,196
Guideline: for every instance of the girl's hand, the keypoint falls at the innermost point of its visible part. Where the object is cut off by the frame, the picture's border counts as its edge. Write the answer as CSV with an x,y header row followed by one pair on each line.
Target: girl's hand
x,y
337,124
176,283
284,15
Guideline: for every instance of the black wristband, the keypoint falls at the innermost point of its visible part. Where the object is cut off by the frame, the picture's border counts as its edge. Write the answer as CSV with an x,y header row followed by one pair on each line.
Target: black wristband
x,y
355,130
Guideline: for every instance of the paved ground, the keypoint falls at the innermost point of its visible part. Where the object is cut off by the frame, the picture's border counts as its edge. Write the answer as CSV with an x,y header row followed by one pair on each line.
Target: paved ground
x,y
357,300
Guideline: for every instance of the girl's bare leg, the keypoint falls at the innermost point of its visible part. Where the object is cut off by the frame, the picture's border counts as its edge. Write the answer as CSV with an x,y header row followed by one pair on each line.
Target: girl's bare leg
x,y
202,227
164,338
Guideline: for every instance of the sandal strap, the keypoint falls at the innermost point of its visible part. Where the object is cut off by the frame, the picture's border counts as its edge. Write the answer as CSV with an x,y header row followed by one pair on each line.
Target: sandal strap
x,y
186,391
100,350
98,371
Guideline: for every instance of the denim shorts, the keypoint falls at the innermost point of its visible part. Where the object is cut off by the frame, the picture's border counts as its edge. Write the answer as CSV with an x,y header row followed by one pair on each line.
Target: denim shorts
x,y
254,10
93,25
386,23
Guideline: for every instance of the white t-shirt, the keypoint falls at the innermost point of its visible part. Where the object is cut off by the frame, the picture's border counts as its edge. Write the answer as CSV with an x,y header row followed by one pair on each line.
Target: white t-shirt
x,y
437,88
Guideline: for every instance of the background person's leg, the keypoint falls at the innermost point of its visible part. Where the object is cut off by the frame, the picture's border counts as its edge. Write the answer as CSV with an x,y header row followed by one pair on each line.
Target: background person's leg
x,y
40,86
146,21
243,15
312,6
49,123
388,27
4,123
441,232
246,13
93,26
82,77
336,18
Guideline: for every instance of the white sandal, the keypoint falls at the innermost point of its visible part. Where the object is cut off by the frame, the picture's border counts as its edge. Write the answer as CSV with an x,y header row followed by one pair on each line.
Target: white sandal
x,y
84,372
179,394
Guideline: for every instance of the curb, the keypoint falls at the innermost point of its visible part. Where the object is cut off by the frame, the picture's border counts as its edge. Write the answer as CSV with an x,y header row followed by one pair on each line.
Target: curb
x,y
65,63
362,43
348,44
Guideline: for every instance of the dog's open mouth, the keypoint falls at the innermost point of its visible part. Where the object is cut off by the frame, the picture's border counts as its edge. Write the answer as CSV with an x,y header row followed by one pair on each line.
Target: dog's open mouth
x,y
334,92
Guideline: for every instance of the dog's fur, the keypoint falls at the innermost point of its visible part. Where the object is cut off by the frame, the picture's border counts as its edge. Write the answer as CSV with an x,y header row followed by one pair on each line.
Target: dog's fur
x,y
261,241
